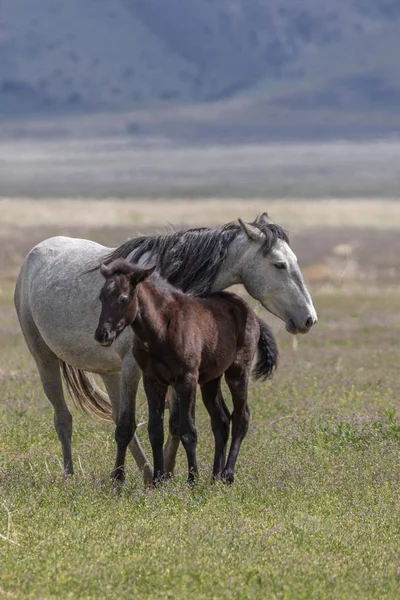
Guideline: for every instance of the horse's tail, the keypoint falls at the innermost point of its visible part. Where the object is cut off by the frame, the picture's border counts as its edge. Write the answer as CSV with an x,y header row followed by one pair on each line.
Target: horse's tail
x,y
268,353
87,396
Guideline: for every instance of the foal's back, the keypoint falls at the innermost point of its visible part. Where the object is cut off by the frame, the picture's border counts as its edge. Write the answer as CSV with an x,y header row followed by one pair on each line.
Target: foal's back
x,y
229,315
209,334
232,336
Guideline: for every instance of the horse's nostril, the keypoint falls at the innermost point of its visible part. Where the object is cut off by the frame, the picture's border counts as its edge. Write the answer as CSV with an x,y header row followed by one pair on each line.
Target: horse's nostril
x,y
309,322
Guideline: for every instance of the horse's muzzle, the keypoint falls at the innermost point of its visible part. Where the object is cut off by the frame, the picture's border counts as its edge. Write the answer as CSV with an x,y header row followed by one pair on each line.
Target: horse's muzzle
x,y
305,327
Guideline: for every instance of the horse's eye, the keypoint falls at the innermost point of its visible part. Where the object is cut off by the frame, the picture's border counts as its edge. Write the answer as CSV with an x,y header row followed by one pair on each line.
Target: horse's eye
x,y
123,299
280,265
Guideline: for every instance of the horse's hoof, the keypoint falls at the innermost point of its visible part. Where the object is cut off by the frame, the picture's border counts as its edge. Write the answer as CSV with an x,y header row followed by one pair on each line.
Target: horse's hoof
x,y
148,475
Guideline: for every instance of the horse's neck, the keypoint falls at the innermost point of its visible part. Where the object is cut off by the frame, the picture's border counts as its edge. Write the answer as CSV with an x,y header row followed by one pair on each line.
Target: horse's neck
x,y
229,272
150,320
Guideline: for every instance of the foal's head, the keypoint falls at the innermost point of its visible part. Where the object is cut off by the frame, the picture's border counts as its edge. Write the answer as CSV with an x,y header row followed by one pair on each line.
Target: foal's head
x,y
119,303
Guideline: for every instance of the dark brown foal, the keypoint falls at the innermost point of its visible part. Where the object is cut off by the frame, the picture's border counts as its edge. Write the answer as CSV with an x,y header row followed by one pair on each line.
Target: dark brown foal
x,y
180,341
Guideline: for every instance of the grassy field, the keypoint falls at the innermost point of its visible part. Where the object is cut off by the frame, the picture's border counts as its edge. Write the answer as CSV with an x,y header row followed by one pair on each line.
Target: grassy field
x,y
315,509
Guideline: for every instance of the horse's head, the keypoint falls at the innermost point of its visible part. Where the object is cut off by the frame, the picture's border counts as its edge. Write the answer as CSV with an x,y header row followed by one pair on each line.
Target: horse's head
x,y
118,296
271,274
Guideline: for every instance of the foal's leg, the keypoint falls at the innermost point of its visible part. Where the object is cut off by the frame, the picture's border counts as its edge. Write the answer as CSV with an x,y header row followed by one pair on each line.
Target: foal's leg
x,y
174,438
224,406
126,419
237,379
112,383
186,391
156,400
217,409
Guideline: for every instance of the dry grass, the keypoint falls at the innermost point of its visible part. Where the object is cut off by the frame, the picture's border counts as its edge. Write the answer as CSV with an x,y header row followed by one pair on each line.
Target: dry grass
x,y
112,212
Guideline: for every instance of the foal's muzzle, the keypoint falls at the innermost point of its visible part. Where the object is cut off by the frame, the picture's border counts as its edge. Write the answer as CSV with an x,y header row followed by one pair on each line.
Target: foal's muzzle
x,y
104,336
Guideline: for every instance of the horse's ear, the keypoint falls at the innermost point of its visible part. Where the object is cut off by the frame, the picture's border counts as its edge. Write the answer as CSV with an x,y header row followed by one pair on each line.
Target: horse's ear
x,y
105,270
253,233
150,271
264,218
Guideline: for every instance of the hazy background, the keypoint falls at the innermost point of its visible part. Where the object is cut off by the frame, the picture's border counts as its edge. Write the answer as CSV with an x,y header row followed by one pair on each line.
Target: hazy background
x,y
270,98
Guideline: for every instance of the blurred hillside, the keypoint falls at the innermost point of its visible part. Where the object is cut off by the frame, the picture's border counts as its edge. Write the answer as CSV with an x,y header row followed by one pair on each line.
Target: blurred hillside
x,y
245,68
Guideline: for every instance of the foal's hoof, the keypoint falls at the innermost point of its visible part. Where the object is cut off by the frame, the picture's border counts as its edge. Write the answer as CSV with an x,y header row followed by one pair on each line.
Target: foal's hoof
x,y
158,481
228,477
192,478
117,475
68,468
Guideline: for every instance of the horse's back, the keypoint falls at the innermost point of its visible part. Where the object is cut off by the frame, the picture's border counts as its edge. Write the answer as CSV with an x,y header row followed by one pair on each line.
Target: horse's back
x,y
57,296
51,249
40,265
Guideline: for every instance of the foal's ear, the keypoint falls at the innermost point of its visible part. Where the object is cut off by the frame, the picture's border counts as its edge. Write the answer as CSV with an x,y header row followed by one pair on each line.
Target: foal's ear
x,y
105,270
140,275
253,233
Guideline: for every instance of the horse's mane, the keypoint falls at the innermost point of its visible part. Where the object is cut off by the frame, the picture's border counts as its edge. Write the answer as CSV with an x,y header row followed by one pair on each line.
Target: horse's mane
x,y
190,259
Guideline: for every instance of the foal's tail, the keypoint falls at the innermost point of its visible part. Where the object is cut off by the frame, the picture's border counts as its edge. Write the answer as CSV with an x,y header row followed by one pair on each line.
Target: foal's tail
x,y
85,393
268,353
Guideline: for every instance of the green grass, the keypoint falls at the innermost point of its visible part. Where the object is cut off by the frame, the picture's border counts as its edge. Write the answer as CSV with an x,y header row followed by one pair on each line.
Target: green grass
x,y
314,511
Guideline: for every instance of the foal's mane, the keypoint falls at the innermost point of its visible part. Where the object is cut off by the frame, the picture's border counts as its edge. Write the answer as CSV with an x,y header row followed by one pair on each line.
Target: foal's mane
x,y
189,259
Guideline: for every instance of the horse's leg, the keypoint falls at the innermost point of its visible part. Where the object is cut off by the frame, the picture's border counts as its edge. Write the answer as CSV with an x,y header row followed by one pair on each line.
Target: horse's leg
x,y
174,438
48,366
50,377
186,391
216,408
112,382
237,380
156,400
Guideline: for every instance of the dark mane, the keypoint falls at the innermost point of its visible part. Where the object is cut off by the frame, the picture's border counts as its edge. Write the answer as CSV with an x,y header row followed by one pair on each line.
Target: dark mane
x,y
190,258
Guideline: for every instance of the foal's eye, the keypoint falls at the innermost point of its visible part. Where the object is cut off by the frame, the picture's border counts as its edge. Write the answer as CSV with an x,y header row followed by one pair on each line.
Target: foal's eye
x,y
123,299
280,265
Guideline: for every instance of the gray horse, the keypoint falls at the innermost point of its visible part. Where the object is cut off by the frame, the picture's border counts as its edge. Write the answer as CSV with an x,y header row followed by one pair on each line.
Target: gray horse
x,y
57,301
